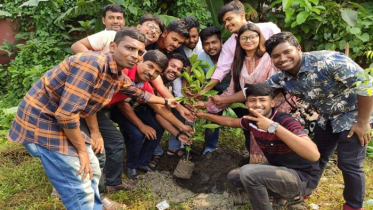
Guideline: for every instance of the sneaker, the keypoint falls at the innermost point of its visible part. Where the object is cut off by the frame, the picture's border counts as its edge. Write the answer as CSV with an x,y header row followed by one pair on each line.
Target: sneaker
x,y
126,185
112,205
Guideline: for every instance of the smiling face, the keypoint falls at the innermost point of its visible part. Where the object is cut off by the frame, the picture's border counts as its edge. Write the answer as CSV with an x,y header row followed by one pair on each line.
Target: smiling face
x,y
233,21
128,52
249,41
151,31
212,45
173,70
287,57
193,39
147,71
113,20
261,104
172,40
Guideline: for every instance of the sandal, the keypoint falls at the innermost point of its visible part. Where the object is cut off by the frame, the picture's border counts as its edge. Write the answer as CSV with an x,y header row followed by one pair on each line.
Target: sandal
x,y
154,163
179,153
278,203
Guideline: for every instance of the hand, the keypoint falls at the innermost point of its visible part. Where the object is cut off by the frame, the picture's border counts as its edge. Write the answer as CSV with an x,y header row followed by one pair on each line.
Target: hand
x,y
200,105
148,131
216,99
97,142
363,132
85,165
172,102
185,139
261,121
200,114
187,129
186,114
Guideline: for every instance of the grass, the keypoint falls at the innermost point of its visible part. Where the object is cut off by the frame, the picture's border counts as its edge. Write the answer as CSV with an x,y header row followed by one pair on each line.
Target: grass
x,y
23,184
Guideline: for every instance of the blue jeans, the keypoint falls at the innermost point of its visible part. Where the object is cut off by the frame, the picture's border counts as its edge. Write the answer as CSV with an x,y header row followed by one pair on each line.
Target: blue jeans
x,y
61,170
139,149
211,140
262,180
350,161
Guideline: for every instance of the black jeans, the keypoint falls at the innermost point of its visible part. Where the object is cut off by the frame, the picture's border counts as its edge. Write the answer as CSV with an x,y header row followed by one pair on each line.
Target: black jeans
x,y
350,161
139,149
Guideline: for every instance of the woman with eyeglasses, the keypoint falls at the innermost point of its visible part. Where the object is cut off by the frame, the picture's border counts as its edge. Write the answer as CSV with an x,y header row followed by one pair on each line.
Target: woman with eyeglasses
x,y
251,65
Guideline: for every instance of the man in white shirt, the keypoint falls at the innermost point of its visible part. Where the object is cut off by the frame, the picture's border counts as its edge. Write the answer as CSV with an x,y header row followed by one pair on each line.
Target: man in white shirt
x,y
192,45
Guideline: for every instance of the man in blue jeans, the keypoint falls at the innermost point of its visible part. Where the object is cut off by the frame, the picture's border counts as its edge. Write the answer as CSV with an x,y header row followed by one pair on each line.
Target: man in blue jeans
x,y
327,80
292,170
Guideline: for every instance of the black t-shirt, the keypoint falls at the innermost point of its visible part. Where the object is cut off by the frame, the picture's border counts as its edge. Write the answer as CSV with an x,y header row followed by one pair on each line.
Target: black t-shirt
x,y
278,153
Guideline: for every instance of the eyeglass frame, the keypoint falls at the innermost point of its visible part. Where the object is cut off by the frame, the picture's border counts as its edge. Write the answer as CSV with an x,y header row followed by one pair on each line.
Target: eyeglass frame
x,y
252,38
152,26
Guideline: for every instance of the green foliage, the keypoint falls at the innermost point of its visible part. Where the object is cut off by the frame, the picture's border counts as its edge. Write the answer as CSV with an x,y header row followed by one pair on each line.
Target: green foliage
x,y
323,24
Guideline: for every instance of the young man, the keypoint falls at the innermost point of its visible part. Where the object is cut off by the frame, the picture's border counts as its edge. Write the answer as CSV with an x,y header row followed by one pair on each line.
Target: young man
x,y
47,120
292,169
136,121
212,44
232,16
150,26
192,45
326,80
113,17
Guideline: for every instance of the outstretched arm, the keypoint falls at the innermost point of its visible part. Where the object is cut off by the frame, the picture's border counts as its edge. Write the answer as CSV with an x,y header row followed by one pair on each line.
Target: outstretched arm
x,y
226,121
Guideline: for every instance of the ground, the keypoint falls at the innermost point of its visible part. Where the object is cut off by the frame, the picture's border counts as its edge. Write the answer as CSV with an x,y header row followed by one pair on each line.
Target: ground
x,y
23,184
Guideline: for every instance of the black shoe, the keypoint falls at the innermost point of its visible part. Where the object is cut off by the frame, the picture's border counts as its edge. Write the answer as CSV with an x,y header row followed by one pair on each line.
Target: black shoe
x,y
145,168
131,173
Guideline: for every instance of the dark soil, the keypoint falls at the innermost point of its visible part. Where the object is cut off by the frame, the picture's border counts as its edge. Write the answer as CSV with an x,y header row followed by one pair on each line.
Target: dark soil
x,y
210,171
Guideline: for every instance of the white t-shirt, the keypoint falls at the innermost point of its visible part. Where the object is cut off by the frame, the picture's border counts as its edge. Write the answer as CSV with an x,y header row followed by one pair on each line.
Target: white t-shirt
x,y
101,41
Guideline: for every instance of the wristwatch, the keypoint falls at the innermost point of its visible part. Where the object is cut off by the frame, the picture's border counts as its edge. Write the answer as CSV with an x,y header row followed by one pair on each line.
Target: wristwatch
x,y
271,129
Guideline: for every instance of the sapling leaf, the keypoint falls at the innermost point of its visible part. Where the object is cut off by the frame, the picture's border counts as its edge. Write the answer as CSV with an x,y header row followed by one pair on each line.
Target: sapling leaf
x,y
193,58
237,105
211,126
210,93
179,99
209,84
204,64
229,113
210,72
202,77
199,138
194,66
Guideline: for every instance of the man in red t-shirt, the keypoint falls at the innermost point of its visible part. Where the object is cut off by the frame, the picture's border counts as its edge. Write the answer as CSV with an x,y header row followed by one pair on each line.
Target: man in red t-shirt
x,y
137,121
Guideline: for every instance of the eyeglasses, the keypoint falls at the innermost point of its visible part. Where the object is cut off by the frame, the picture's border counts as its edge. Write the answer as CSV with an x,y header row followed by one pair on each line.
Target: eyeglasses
x,y
151,26
251,38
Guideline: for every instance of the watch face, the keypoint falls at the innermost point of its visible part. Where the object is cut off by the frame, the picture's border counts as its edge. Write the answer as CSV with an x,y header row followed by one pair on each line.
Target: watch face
x,y
272,128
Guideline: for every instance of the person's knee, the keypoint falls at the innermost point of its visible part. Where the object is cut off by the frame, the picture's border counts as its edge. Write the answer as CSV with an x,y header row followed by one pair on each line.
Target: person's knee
x,y
248,174
234,177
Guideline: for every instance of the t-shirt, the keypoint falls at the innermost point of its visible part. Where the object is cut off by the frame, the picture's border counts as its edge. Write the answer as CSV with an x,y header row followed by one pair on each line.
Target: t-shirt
x,y
197,49
101,41
131,73
278,153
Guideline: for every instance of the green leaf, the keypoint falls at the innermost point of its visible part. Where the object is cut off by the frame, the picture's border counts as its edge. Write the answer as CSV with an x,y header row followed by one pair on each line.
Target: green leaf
x,y
210,93
195,64
210,72
4,13
211,126
289,15
193,58
229,113
187,77
294,24
275,3
305,28
342,44
286,4
349,16
315,2
302,17
238,105
199,138
363,37
355,30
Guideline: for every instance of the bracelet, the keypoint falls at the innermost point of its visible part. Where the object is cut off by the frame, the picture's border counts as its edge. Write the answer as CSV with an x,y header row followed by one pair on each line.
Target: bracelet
x,y
166,102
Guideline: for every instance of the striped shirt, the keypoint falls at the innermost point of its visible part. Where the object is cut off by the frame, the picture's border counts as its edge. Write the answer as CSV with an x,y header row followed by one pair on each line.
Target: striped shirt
x,y
78,87
278,153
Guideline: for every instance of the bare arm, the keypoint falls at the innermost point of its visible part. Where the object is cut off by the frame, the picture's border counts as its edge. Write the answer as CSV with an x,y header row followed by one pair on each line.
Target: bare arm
x,y
97,140
226,121
81,46
126,109
75,137
362,126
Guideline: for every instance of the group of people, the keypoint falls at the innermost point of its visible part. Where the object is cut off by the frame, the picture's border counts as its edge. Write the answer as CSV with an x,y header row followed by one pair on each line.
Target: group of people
x,y
130,76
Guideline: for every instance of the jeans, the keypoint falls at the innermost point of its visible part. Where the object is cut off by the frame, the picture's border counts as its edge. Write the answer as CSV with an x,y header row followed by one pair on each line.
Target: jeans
x,y
61,170
211,140
262,180
350,161
139,149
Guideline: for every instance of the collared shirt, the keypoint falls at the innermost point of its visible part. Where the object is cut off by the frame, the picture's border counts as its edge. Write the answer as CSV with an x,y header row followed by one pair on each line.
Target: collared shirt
x,y
131,73
78,87
327,80
197,49
229,47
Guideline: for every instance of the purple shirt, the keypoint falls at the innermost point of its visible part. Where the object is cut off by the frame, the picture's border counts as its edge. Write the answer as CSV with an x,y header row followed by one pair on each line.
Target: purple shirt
x,y
227,52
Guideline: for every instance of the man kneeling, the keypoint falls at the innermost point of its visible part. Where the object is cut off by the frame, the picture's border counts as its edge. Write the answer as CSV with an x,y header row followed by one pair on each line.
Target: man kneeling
x,y
292,170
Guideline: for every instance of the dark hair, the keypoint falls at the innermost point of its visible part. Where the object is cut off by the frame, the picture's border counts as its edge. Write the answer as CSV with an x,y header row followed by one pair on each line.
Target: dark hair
x,y
179,57
131,32
179,27
157,57
150,17
210,31
279,38
191,22
259,89
239,56
233,6
113,8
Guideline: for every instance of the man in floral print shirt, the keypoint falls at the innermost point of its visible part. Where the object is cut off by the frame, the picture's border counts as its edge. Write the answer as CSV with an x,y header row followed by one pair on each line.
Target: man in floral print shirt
x,y
327,80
